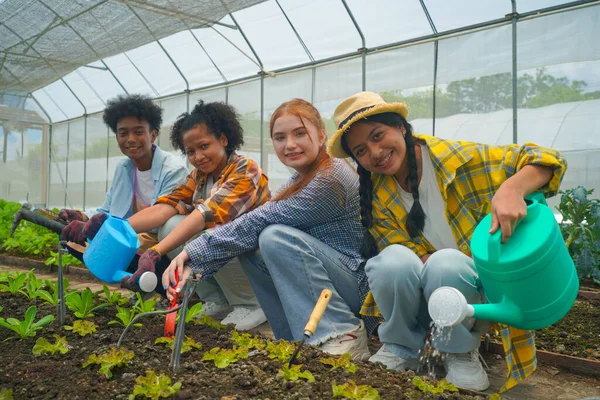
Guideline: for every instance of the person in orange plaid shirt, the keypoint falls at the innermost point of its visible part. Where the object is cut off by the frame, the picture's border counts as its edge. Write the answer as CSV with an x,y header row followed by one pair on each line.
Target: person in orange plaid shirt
x,y
223,186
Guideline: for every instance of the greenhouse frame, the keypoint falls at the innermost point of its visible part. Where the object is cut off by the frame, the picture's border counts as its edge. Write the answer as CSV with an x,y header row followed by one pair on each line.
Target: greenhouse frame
x,y
491,71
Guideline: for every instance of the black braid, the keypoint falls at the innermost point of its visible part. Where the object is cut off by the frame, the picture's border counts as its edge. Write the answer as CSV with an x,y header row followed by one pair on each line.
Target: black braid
x,y
368,248
416,216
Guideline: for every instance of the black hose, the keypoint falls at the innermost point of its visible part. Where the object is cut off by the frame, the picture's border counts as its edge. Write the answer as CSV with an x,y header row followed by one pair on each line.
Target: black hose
x,y
28,215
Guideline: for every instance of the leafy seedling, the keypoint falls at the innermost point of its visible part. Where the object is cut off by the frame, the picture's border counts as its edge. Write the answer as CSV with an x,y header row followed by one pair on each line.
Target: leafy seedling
x,y
14,283
293,373
210,322
6,394
223,357
353,391
32,287
192,313
82,305
114,358
245,340
124,317
112,296
281,350
154,386
343,361
441,387
43,346
67,259
27,327
82,327
143,306
187,345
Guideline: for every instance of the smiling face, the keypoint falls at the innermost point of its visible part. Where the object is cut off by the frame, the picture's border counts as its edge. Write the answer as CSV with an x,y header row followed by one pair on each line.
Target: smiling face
x,y
297,142
204,151
379,148
135,138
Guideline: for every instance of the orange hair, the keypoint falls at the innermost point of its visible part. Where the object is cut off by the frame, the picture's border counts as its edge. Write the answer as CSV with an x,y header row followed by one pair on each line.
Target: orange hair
x,y
304,111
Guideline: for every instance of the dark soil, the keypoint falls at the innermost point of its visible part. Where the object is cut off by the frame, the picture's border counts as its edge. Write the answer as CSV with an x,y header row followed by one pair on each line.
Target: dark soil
x,y
62,376
577,334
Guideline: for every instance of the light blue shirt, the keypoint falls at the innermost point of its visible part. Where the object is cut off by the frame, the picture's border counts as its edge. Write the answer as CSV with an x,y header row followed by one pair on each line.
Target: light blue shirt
x,y
167,172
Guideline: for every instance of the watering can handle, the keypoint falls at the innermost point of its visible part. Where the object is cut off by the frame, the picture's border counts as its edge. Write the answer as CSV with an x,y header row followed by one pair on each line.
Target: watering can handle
x,y
495,239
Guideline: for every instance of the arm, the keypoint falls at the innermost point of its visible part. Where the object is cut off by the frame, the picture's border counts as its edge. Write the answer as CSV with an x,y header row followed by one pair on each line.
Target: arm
x,y
151,217
191,225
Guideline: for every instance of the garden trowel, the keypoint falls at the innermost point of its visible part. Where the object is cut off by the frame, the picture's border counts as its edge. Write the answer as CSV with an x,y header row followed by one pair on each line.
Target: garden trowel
x,y
313,321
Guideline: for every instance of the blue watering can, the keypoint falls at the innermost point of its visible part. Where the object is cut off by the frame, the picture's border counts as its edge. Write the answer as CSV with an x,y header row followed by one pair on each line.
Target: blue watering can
x,y
530,281
110,252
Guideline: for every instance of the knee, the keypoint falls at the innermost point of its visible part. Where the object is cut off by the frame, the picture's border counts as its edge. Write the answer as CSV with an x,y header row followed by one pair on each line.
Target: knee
x,y
271,238
395,264
448,261
168,226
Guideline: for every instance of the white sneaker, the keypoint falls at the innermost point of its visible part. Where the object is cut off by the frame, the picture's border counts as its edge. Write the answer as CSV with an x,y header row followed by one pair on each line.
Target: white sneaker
x,y
354,342
465,371
245,318
392,361
214,310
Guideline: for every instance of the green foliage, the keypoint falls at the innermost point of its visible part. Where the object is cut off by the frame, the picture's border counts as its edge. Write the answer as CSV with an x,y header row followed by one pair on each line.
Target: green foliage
x,y
112,296
142,306
14,283
114,358
441,387
27,327
353,391
43,346
50,296
223,357
245,340
281,350
187,345
82,304
495,396
154,386
191,313
343,361
210,322
293,373
33,286
67,259
124,317
580,228
82,327
6,394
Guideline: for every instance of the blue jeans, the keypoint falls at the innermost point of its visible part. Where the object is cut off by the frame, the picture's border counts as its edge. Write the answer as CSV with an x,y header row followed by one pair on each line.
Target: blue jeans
x,y
288,275
402,285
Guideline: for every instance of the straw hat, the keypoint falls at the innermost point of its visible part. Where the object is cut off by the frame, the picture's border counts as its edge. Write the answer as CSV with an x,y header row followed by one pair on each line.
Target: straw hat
x,y
356,107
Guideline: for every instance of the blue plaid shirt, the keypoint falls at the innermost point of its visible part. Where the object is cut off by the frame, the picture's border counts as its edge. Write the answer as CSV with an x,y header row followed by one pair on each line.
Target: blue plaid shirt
x,y
327,209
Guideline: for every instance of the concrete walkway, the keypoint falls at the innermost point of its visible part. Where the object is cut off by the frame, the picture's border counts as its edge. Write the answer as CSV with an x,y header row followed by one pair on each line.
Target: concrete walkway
x,y
547,383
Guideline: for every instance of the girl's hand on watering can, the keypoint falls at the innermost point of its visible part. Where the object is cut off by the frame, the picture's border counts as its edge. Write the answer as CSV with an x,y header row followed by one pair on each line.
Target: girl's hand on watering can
x,y
74,233
93,225
146,263
508,208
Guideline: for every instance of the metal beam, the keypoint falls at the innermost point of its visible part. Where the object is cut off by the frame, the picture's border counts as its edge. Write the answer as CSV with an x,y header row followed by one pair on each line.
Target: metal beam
x,y
435,64
304,46
247,42
209,57
514,17
363,49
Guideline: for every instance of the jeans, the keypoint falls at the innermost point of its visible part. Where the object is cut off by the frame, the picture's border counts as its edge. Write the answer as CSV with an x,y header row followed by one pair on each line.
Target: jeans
x,y
229,285
289,273
401,285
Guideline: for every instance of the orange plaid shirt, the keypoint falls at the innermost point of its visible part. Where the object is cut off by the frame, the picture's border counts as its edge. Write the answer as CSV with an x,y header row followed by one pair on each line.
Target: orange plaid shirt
x,y
241,187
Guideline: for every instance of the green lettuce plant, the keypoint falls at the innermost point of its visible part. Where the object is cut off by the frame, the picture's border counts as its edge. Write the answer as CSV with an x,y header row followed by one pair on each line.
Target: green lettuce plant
x,y
14,283
124,317
343,361
281,350
441,386
245,340
154,386
293,373
210,322
187,345
82,327
43,346
223,357
142,306
6,394
27,327
353,391
82,304
110,360
113,297
192,313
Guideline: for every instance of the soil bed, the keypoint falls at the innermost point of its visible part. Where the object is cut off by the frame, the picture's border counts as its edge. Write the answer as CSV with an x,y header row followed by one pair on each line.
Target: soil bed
x,y
62,376
577,334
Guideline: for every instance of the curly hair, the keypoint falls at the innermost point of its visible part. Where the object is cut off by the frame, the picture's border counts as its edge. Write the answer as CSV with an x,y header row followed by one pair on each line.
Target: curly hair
x,y
218,118
132,105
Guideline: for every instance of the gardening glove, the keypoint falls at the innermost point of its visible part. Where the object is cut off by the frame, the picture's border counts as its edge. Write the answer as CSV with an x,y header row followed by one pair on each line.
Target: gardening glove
x,y
146,263
93,225
74,233
72,215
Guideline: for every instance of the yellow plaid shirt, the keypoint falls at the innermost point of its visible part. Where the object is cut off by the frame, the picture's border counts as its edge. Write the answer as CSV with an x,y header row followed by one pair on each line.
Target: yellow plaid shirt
x,y
468,174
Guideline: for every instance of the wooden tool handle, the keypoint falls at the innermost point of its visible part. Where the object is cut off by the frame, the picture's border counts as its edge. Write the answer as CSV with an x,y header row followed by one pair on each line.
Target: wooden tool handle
x,y
317,313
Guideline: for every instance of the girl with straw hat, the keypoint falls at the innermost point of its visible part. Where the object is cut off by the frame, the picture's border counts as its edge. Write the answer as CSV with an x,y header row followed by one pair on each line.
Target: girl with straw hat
x,y
421,198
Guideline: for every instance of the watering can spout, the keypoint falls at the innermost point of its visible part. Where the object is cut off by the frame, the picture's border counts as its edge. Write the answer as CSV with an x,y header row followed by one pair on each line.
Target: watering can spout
x,y
449,307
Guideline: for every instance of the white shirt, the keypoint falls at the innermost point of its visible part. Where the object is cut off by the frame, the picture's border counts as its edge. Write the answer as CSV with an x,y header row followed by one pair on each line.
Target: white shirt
x,y
144,187
437,230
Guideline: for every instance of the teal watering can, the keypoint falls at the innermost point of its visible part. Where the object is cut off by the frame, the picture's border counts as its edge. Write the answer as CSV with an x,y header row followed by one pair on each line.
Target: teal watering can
x,y
111,252
530,281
